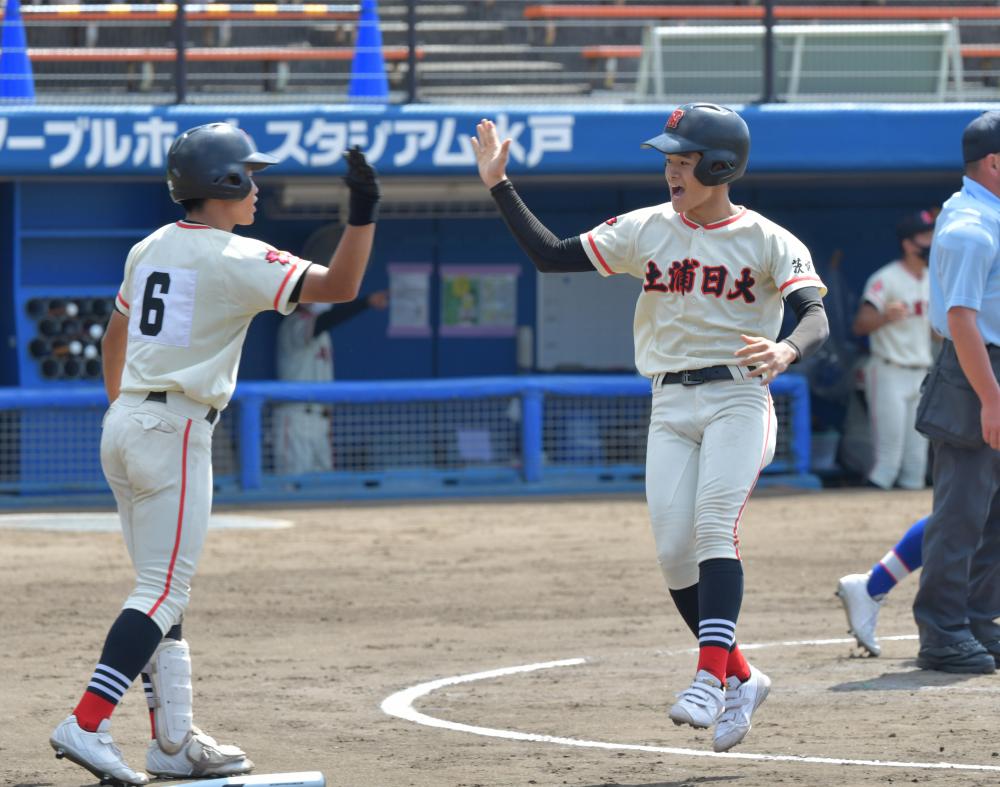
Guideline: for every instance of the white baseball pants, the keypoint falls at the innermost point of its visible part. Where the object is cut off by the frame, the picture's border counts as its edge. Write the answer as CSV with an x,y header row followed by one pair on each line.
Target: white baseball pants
x,y
157,458
707,446
899,450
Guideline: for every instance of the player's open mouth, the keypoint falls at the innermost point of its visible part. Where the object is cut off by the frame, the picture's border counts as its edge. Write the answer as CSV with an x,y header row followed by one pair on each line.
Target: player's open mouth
x,y
676,192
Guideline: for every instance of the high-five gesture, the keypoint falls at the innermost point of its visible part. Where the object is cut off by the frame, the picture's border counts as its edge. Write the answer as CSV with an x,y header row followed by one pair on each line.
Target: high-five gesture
x,y
362,181
361,176
491,154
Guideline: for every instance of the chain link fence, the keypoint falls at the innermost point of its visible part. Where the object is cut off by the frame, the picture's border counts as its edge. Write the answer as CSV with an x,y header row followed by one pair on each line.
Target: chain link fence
x,y
430,436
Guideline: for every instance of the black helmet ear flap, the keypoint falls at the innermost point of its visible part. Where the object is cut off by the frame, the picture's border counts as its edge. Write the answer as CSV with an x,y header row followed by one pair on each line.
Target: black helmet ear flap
x,y
719,166
235,181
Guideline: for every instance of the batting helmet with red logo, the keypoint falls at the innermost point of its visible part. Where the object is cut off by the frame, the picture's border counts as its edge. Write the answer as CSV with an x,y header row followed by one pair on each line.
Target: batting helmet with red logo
x,y
211,162
718,133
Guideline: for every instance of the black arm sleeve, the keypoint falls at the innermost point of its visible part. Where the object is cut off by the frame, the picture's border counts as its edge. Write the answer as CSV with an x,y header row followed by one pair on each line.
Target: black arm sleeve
x,y
297,292
545,250
339,313
813,328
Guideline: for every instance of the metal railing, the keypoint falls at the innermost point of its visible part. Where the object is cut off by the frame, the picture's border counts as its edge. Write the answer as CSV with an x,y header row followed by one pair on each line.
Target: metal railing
x,y
420,437
483,51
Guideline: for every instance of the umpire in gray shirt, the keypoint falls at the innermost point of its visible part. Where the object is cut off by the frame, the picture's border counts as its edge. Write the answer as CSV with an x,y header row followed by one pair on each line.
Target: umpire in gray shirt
x,y
958,603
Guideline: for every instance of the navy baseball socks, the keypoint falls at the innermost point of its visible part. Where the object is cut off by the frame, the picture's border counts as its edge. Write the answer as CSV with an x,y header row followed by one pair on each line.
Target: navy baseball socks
x,y
719,593
686,601
130,642
84,737
714,657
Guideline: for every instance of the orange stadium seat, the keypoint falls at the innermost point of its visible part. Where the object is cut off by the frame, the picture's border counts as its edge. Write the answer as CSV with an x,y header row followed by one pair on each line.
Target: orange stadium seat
x,y
202,54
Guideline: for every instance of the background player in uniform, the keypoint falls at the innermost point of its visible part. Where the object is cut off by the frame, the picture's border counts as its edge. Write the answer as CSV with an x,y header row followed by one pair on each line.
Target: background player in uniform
x,y
864,594
171,354
894,314
301,436
706,322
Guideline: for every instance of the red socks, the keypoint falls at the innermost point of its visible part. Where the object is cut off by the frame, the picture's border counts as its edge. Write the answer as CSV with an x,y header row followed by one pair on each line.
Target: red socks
x,y
737,665
92,710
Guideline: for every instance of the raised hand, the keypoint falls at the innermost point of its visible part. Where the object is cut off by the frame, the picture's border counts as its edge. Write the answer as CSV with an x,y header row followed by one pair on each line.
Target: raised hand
x,y
361,177
491,154
362,182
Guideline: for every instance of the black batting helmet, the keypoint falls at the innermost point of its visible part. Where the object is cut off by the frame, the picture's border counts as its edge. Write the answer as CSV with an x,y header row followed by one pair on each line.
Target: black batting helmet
x,y
718,133
211,161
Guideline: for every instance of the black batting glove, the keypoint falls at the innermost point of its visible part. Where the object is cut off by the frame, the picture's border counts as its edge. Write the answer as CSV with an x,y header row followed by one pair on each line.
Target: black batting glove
x,y
362,181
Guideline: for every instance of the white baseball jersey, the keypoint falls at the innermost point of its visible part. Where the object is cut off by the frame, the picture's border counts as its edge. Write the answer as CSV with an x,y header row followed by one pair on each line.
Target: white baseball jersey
x,y
302,356
703,286
190,292
906,342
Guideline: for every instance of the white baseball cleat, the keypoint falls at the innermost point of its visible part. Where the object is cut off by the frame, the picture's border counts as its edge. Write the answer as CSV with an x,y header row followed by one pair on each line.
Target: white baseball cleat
x,y
742,699
201,755
95,751
862,610
701,704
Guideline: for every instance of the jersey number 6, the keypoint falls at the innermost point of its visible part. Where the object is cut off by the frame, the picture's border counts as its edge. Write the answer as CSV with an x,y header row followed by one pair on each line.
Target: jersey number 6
x,y
151,322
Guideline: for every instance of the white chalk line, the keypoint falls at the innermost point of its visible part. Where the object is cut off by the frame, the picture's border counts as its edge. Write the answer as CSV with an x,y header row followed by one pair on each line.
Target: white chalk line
x,y
400,705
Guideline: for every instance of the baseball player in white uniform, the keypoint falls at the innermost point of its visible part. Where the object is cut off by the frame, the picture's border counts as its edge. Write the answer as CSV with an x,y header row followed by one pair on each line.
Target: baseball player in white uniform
x,y
894,314
714,277
301,434
171,353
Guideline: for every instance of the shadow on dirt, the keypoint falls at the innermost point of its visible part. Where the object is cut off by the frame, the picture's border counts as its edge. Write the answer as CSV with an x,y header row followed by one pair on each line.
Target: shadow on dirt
x,y
904,681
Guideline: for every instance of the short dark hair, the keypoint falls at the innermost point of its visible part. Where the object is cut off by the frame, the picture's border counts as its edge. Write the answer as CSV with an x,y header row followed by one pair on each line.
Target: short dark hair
x,y
192,204
981,137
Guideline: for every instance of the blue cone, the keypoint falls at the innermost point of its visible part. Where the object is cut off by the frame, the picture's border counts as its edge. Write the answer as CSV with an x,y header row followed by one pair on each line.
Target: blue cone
x,y
368,80
17,83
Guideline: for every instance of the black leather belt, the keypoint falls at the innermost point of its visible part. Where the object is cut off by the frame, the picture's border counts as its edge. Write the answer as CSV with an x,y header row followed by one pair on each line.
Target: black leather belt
x,y
161,397
696,376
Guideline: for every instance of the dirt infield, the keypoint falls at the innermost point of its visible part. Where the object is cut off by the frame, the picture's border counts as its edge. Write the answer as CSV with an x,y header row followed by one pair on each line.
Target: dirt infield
x,y
299,635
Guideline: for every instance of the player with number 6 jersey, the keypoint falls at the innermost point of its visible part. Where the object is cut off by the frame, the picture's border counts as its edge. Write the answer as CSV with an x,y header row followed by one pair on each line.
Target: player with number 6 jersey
x,y
171,353
714,281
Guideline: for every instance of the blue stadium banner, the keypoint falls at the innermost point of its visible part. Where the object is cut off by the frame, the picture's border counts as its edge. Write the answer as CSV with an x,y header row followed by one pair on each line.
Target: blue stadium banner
x,y
434,140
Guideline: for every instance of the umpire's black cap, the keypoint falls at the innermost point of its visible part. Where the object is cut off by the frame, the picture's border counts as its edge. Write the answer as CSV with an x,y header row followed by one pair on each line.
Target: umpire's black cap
x,y
981,137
